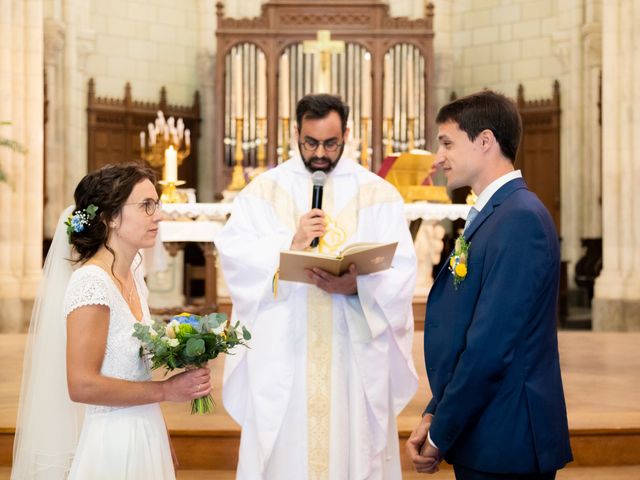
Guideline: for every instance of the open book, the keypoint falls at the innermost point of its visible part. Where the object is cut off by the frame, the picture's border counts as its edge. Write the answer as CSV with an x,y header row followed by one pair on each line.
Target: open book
x,y
367,257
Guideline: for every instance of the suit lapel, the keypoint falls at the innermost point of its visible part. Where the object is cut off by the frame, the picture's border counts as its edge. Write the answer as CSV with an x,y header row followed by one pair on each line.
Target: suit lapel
x,y
495,200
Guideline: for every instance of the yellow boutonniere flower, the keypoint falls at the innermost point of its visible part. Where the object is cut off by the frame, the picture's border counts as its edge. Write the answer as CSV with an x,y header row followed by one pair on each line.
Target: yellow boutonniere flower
x,y
458,261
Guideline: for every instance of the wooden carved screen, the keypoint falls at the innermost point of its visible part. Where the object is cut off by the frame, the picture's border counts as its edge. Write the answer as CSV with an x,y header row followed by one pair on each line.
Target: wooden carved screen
x,y
114,127
539,152
366,28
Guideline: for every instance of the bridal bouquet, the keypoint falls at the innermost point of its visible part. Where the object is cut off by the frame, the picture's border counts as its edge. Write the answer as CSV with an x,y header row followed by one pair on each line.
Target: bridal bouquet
x,y
190,341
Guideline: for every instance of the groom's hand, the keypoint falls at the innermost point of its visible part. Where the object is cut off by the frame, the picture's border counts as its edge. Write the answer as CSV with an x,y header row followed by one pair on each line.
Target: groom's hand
x,y
425,458
429,451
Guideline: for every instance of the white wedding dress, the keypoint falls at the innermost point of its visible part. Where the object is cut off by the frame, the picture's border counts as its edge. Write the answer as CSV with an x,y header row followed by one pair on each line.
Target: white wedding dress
x,y
118,443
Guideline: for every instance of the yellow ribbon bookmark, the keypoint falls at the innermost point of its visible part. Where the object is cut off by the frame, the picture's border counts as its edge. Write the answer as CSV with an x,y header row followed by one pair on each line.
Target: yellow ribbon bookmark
x,y
274,284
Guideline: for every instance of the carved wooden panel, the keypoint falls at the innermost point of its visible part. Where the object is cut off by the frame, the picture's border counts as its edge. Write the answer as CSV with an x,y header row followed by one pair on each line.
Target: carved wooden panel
x,y
283,23
539,152
114,127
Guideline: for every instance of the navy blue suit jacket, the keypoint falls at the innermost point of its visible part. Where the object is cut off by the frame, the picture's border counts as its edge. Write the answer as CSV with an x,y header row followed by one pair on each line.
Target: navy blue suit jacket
x,y
491,346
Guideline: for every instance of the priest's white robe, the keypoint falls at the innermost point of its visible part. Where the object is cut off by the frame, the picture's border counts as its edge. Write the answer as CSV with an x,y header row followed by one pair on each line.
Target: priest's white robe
x,y
318,391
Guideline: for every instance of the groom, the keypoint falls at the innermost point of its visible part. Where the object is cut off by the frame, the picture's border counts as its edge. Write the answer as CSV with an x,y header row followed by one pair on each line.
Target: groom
x,y
491,348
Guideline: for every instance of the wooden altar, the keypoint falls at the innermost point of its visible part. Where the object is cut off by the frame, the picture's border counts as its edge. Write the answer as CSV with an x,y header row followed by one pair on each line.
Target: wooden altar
x,y
201,222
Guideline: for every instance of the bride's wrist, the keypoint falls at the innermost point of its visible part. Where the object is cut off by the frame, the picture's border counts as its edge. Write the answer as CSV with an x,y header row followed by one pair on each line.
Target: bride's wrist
x,y
162,390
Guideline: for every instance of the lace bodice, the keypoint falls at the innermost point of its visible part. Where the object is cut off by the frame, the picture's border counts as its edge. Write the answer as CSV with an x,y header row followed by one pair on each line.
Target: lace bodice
x,y
91,285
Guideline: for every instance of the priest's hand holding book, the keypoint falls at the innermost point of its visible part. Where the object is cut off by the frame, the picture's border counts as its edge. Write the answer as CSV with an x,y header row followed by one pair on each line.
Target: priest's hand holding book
x,y
345,284
333,273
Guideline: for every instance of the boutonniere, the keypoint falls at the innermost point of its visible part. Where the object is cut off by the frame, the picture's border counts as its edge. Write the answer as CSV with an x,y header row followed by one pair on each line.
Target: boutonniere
x,y
458,260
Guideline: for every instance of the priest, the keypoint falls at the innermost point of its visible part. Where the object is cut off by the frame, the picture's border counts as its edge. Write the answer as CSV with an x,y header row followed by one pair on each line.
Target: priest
x,y
329,366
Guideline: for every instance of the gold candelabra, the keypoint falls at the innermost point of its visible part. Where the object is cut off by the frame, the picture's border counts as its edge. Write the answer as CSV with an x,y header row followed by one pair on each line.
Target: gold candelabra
x,y
238,181
364,147
170,193
410,134
285,139
389,149
167,145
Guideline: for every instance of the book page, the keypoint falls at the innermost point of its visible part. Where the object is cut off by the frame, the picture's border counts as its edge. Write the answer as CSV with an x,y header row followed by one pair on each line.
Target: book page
x,y
306,253
358,247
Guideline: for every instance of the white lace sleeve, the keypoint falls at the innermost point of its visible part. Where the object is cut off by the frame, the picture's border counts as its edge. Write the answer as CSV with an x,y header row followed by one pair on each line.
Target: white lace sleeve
x,y
86,287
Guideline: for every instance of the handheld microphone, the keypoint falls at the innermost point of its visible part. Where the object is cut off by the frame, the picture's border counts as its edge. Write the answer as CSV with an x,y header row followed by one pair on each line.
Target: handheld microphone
x,y
318,178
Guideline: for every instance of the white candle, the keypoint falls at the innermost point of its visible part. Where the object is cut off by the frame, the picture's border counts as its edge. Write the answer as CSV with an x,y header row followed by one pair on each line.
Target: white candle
x,y
388,87
284,86
142,141
261,110
410,94
366,86
237,74
170,165
187,137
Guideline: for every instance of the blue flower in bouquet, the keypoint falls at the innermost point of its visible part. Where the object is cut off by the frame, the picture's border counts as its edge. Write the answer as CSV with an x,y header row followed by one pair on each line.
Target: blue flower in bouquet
x,y
187,318
190,341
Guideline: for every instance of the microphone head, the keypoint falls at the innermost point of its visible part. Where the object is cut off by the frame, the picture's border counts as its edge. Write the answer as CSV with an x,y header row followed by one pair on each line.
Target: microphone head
x,y
318,178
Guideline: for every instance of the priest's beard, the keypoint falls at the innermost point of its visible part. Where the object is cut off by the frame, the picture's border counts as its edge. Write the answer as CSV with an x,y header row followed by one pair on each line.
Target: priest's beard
x,y
323,164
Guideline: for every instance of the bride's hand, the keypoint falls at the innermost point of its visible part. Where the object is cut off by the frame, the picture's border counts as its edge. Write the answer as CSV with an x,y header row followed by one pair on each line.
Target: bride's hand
x,y
187,385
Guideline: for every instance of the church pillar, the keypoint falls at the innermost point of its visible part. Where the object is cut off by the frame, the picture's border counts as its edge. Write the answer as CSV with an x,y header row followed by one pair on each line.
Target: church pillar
x,y
443,48
591,212
73,102
567,47
576,45
616,304
67,41
21,197
206,75
55,171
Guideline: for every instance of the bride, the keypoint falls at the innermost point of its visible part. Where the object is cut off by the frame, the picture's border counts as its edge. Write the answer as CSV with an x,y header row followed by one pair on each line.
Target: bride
x,y
122,434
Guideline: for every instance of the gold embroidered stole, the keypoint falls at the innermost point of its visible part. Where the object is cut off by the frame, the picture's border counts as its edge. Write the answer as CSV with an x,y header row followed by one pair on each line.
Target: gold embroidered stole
x,y
339,228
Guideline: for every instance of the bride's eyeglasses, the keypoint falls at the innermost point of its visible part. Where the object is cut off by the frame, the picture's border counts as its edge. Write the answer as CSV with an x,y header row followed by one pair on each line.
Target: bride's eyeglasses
x,y
150,205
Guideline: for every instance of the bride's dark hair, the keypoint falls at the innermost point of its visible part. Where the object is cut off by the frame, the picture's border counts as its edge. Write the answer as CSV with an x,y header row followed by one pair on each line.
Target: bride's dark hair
x,y
108,189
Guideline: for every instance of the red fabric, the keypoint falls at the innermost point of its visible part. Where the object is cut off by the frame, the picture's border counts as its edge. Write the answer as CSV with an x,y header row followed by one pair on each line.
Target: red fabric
x,y
387,163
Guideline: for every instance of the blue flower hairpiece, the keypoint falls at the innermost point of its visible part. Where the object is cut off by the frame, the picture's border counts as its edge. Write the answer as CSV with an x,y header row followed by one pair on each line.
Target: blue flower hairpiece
x,y
80,219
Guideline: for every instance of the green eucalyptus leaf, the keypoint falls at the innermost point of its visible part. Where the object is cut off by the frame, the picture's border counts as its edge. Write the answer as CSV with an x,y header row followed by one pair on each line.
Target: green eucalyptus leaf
x,y
245,333
195,347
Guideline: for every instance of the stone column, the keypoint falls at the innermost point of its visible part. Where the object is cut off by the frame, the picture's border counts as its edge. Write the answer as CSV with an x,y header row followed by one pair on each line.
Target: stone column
x,y
567,47
54,180
206,76
591,212
21,198
577,46
443,51
73,102
616,304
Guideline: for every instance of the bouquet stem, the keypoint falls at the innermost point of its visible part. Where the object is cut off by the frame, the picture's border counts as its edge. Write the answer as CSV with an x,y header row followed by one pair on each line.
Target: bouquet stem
x,y
202,405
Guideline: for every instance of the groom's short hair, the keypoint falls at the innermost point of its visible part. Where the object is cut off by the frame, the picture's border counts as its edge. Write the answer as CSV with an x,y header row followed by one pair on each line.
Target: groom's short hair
x,y
486,110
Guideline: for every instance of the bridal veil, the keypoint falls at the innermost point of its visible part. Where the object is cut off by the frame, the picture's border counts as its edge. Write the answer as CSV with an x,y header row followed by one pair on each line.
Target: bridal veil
x,y
49,423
